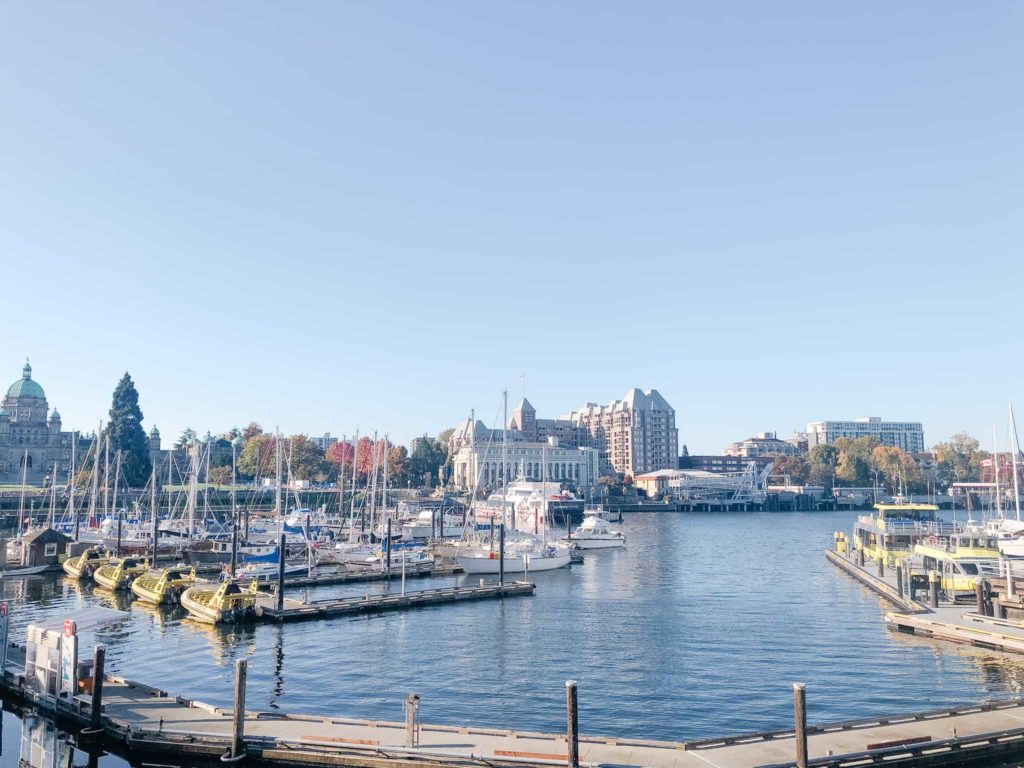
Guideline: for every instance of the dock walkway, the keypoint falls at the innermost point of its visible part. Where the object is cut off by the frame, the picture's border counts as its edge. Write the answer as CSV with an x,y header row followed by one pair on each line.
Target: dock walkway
x,y
142,721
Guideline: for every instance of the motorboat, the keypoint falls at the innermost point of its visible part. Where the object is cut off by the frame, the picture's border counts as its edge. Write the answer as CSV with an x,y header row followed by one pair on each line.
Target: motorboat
x,y
218,552
228,603
85,564
268,571
163,587
120,574
960,559
401,557
595,533
430,523
892,532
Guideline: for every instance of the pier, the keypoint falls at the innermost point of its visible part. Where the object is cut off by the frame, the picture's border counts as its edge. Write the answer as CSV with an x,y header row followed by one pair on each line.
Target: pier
x,y
145,723
954,622
295,610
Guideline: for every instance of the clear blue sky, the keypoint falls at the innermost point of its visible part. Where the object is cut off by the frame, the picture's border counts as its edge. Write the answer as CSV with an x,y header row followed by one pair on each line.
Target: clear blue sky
x,y
377,215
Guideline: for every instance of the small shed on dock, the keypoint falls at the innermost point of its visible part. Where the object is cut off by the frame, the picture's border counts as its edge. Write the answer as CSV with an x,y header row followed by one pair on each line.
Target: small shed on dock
x,y
43,547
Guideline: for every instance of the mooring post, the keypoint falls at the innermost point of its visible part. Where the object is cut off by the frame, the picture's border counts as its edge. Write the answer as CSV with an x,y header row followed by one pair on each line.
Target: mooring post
x,y
860,557
120,518
387,548
572,724
899,579
238,727
800,723
245,524
412,730
501,555
280,573
979,597
933,587
881,567
99,655
1010,591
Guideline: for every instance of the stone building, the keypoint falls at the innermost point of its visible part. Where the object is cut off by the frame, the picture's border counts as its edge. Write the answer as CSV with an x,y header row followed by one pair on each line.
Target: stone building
x,y
32,443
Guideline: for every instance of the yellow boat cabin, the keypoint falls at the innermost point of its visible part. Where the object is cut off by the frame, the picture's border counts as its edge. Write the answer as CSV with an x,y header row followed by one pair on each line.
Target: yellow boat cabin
x,y
892,532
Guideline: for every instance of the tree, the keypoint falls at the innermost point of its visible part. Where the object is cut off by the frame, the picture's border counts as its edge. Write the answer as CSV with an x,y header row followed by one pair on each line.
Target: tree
x,y
220,475
795,468
823,460
958,460
258,458
900,470
127,435
252,430
398,466
425,461
306,459
187,438
340,454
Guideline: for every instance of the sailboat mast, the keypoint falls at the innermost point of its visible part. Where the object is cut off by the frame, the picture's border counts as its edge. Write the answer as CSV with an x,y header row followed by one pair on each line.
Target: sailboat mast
x,y
277,482
106,477
355,474
341,480
71,475
995,466
504,452
117,477
53,495
1016,450
384,486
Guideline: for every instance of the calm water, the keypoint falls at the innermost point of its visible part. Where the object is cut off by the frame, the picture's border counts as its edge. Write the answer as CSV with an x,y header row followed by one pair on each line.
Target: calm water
x,y
697,628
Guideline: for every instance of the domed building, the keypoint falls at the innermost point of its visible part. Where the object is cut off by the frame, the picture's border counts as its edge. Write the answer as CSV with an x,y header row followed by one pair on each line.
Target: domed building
x,y
32,443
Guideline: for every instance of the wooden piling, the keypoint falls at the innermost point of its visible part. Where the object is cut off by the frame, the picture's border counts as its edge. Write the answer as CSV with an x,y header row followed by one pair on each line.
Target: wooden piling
x,y
412,708
280,573
881,568
933,588
860,557
899,578
387,549
156,529
572,724
99,655
238,723
501,554
979,597
800,723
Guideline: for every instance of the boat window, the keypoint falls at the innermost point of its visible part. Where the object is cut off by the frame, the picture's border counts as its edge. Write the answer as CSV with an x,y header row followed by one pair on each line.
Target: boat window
x,y
971,569
172,575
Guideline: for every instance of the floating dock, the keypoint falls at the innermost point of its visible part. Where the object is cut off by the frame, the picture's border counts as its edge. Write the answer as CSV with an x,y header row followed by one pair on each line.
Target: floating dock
x,y
953,622
295,610
144,723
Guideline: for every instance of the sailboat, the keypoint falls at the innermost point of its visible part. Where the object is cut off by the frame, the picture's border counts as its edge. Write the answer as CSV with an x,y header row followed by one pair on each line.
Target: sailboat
x,y
524,551
1010,533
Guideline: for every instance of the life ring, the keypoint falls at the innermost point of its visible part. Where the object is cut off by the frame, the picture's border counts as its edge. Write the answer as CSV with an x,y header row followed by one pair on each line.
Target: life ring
x,y
932,540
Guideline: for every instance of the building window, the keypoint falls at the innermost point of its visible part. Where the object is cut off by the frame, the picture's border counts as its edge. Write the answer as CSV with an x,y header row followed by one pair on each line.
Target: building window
x,y
50,550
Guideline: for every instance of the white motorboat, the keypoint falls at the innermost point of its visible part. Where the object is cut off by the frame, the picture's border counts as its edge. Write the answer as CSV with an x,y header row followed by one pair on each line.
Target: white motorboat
x,y
413,558
595,533
427,523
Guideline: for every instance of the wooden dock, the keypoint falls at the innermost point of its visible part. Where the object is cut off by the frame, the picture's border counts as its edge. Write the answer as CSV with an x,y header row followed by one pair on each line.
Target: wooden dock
x,y
955,623
295,610
144,723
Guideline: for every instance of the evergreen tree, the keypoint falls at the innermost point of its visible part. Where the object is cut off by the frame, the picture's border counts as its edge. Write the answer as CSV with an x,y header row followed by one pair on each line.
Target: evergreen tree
x,y
127,436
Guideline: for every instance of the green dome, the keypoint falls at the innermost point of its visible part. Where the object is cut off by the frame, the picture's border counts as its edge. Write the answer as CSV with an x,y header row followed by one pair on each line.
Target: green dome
x,y
25,387
4,414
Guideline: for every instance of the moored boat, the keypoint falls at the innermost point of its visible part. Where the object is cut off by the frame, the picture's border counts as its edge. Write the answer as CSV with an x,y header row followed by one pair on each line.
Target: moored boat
x,y
163,587
227,604
523,554
85,564
120,574
595,533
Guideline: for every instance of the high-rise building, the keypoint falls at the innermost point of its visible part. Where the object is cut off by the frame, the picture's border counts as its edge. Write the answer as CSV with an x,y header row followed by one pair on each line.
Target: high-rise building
x,y
908,435
636,434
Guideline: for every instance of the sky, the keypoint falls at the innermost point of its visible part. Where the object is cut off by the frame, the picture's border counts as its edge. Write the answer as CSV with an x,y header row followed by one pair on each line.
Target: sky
x,y
330,216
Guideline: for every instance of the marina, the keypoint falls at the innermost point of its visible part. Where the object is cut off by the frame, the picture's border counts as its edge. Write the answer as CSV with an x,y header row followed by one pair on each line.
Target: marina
x,y
597,603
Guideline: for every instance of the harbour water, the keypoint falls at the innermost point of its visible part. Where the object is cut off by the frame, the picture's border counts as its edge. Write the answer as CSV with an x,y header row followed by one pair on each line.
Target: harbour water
x,y
696,629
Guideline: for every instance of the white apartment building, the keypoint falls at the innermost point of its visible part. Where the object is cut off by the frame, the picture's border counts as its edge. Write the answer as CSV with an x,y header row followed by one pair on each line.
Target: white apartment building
x,y
908,435
524,461
763,444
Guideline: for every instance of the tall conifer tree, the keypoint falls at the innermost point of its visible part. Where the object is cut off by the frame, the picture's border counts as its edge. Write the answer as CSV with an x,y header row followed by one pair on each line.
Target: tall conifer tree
x,y
127,435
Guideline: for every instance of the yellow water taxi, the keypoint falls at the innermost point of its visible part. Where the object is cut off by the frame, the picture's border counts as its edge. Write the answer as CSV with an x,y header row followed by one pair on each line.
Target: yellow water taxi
x,y
228,603
163,587
85,564
960,558
120,574
895,529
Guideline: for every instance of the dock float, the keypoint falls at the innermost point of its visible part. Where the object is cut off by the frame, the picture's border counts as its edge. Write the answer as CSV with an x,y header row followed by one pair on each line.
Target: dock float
x,y
142,723
417,571
949,621
350,606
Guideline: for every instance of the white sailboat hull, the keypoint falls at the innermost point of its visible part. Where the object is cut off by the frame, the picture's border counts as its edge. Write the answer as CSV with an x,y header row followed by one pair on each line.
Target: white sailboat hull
x,y
482,564
596,543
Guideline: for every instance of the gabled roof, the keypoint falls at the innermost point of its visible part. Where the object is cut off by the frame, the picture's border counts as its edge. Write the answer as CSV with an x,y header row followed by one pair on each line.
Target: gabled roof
x,y
33,535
